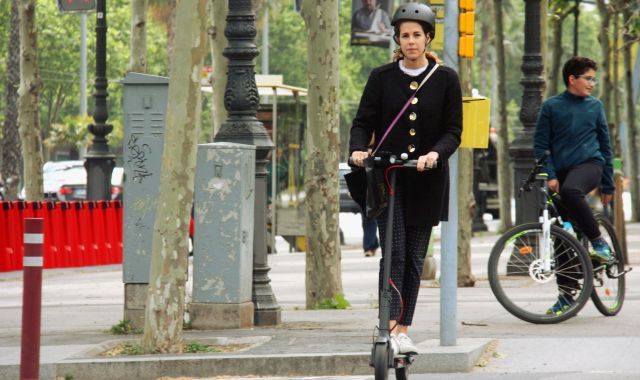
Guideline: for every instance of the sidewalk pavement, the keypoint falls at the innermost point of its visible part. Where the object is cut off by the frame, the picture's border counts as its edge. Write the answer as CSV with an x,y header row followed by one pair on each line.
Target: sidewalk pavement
x,y
81,304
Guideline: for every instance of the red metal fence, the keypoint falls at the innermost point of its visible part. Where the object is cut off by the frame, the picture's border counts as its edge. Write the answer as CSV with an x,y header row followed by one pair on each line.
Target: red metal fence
x,y
76,233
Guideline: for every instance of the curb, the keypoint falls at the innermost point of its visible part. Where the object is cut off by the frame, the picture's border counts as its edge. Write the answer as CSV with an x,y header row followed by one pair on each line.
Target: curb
x,y
432,358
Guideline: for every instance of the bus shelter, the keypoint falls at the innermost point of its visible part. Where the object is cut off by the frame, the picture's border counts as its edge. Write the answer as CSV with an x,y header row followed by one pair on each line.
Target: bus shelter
x,y
282,110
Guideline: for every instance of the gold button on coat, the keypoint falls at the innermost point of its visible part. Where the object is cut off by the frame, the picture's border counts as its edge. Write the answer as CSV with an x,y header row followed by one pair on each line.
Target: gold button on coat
x,y
414,101
411,148
413,116
413,85
412,132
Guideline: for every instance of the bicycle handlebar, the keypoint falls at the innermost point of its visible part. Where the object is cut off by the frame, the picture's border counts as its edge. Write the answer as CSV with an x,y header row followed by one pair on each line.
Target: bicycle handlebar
x,y
538,167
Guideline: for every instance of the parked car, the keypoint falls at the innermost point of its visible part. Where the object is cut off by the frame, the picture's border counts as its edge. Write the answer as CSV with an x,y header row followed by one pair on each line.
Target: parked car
x,y
117,183
347,204
67,181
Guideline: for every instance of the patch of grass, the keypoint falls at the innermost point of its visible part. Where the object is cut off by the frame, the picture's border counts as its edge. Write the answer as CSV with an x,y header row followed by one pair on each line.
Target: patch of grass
x,y
132,349
124,349
338,302
195,347
123,327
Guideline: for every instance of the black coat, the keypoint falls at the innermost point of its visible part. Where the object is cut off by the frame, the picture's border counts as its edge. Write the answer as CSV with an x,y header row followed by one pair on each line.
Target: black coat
x,y
436,126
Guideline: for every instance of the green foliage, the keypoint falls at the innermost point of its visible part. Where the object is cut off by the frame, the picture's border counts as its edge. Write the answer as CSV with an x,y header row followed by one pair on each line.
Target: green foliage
x,y
71,131
288,56
195,347
123,327
338,302
59,58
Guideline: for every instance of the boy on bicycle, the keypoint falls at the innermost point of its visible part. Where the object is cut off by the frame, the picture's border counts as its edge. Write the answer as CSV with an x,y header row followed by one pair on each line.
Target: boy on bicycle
x,y
572,126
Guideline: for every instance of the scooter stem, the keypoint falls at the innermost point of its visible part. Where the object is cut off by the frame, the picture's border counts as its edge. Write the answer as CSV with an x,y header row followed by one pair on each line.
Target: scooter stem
x,y
385,296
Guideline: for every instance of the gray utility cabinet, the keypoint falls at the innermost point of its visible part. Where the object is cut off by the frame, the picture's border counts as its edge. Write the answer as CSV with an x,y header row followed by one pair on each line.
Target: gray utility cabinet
x,y
224,206
145,104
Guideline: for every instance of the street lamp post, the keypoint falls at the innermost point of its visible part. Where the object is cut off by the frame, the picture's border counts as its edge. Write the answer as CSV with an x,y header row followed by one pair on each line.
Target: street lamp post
x,y
99,160
521,148
241,100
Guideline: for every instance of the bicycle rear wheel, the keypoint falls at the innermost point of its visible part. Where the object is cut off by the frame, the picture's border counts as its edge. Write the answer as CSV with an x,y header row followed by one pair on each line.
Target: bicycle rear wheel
x,y
608,291
520,282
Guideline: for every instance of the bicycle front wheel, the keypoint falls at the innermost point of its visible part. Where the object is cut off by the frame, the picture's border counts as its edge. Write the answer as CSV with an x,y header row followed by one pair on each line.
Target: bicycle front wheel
x,y
608,288
528,286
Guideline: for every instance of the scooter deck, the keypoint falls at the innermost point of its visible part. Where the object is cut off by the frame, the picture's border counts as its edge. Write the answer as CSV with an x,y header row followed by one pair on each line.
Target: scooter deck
x,y
403,360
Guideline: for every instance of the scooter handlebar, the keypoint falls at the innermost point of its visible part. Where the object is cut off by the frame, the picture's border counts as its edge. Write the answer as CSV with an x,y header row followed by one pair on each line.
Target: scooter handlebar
x,y
393,160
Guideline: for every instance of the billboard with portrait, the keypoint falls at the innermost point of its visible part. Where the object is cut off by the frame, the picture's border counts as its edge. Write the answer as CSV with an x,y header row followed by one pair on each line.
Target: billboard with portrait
x,y
371,22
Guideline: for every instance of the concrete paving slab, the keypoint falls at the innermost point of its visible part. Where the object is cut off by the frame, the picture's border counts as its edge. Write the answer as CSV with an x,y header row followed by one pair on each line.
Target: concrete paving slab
x,y
559,354
80,304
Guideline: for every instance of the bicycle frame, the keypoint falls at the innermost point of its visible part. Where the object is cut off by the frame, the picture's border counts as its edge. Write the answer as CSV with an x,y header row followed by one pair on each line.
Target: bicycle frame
x,y
546,250
546,222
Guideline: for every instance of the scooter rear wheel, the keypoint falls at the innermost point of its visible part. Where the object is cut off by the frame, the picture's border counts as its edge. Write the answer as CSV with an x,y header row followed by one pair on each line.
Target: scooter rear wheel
x,y
381,361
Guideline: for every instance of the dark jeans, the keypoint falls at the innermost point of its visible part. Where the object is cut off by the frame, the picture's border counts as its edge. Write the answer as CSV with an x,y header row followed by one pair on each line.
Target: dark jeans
x,y
370,238
575,184
408,250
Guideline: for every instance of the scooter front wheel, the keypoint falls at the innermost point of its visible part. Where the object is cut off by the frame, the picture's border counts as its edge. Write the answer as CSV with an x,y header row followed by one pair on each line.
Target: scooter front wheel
x,y
381,361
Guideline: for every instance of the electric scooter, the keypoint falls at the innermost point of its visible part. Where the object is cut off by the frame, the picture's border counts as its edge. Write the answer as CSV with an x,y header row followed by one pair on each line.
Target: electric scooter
x,y
382,355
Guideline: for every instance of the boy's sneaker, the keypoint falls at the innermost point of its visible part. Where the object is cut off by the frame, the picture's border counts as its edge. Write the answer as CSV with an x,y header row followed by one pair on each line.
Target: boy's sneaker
x,y
563,304
602,251
405,344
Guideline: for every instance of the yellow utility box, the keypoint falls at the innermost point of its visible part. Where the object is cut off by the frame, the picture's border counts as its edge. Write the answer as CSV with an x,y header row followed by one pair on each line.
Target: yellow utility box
x,y
475,122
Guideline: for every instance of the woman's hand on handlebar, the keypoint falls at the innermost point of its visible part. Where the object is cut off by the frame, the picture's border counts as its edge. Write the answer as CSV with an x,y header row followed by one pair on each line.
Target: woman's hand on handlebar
x,y
554,185
428,161
358,157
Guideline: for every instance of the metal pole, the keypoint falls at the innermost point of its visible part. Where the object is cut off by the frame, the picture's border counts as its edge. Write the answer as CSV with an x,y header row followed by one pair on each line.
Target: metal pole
x,y
243,127
274,170
31,299
576,25
449,252
83,64
265,41
99,162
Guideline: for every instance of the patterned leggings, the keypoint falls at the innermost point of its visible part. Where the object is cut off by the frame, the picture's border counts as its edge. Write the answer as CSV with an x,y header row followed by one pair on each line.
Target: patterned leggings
x,y
409,249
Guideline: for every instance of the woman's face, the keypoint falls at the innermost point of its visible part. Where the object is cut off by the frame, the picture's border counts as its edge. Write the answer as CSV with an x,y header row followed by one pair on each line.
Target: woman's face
x,y
413,40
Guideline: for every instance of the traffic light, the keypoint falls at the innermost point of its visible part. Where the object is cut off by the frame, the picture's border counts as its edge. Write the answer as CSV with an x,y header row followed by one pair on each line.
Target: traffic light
x,y
466,28
76,5
437,6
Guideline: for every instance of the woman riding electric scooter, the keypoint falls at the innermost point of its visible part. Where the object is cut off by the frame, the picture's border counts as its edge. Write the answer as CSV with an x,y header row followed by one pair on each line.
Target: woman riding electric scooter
x,y
414,107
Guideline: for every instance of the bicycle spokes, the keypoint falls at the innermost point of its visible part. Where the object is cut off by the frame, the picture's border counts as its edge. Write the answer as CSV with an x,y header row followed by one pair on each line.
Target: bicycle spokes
x,y
528,281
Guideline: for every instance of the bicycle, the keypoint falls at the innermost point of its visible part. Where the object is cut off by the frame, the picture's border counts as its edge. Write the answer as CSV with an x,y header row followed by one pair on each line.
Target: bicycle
x,y
547,257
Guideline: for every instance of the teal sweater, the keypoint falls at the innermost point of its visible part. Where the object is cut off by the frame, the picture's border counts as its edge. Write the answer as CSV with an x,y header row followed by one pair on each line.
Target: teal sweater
x,y
574,129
